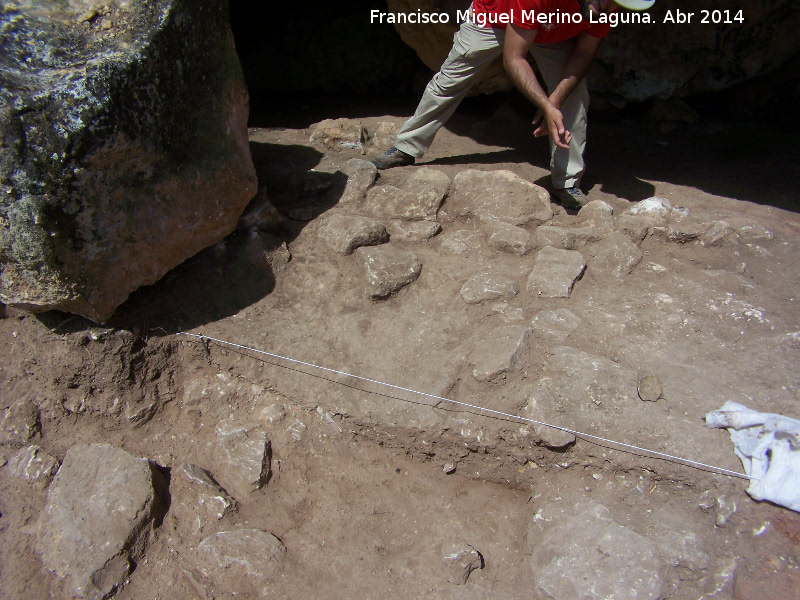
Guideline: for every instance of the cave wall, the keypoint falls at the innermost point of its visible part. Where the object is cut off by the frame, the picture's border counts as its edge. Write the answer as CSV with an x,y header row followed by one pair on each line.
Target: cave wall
x,y
329,47
334,48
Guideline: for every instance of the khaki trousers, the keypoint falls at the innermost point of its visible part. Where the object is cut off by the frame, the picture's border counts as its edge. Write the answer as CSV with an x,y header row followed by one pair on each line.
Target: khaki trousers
x,y
474,48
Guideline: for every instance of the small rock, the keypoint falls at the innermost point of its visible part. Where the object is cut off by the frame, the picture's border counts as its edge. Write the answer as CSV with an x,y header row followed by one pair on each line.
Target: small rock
x,y
139,414
566,239
34,466
197,498
87,16
261,213
345,233
449,468
385,136
552,437
96,519
707,500
750,231
636,228
199,584
508,313
616,254
297,430
19,423
557,324
650,389
725,509
498,353
718,233
248,556
245,453
597,214
555,272
488,286
654,207
272,414
106,24
542,406
361,175
413,231
680,234
388,269
339,133
459,561
461,241
505,237
3,461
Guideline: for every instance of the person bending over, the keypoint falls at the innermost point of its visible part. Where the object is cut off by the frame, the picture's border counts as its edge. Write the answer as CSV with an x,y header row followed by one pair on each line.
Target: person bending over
x,y
564,48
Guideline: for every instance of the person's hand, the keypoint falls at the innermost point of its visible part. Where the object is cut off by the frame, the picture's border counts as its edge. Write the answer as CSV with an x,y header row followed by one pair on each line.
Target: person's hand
x,y
552,125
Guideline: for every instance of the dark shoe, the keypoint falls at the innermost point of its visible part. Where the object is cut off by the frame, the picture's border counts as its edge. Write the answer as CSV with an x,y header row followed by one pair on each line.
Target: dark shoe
x,y
571,197
393,158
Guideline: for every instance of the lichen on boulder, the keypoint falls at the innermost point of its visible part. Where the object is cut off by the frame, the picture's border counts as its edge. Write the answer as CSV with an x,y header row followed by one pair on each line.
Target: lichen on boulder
x,y
123,146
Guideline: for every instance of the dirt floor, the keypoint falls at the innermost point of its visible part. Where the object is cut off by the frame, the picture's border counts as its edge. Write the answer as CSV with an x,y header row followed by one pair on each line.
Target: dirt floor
x,y
370,486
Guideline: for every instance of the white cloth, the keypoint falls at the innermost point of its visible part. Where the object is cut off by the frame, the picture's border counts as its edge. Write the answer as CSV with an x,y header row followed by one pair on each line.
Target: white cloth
x,y
769,448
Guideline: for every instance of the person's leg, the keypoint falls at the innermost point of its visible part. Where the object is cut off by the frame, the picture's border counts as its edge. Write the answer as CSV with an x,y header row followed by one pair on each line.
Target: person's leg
x,y
566,166
474,48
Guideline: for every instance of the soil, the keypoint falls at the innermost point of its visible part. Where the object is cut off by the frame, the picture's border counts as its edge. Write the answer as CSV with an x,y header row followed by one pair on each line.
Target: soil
x,y
368,484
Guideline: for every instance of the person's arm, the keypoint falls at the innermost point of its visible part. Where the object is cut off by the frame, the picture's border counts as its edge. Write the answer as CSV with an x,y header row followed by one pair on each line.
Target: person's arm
x,y
515,49
575,68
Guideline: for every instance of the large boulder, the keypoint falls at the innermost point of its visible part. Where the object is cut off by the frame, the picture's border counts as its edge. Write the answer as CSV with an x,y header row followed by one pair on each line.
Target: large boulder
x,y
660,59
123,146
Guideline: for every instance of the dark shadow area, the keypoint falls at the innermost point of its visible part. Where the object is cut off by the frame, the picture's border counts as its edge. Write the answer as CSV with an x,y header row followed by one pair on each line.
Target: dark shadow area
x,y
299,193
321,48
215,283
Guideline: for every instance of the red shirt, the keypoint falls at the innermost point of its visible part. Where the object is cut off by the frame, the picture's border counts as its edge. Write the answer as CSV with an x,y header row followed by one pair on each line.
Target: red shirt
x,y
552,18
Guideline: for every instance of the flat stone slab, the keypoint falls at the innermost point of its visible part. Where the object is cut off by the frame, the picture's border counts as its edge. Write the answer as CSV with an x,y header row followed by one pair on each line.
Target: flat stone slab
x,y
413,231
499,352
597,214
505,237
34,466
345,233
488,286
244,450
419,199
461,241
388,269
245,556
198,500
96,519
586,554
361,175
19,423
564,238
499,195
556,324
459,560
555,272
616,255
339,133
